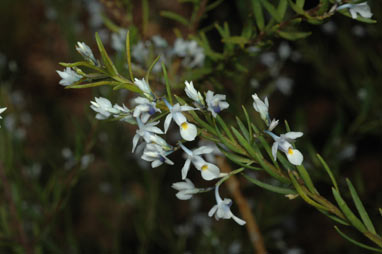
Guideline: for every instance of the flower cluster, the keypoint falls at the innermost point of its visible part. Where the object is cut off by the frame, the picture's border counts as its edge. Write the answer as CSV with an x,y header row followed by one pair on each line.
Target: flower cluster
x,y
153,144
284,141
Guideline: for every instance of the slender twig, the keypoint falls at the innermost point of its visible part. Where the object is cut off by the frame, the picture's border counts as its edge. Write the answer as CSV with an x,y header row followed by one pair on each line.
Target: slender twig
x,y
253,230
22,238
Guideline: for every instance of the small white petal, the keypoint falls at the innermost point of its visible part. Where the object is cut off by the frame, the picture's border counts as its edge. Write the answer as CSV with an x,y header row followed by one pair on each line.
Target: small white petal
x,y
238,220
209,171
294,156
274,150
212,210
185,169
167,122
293,134
188,131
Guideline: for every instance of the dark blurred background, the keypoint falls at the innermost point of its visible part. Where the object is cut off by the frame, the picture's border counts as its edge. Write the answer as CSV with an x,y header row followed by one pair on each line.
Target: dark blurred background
x,y
76,186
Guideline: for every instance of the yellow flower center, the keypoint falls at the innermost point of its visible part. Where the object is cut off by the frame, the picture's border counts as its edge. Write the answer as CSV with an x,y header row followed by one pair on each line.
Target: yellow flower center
x,y
184,125
204,167
290,150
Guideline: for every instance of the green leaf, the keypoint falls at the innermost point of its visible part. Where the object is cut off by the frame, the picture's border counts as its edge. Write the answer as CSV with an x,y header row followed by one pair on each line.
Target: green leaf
x,y
258,12
94,84
225,127
105,58
307,180
327,169
347,212
168,88
213,5
304,195
281,9
240,160
277,189
248,124
293,35
300,3
145,15
85,64
296,8
150,68
128,55
272,10
356,242
242,128
175,16
236,40
361,209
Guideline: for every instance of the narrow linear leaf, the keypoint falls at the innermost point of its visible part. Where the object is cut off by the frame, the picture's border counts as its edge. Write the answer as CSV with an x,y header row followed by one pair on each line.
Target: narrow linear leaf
x,y
175,16
85,64
225,127
335,218
307,180
145,15
282,8
213,5
128,55
280,190
300,3
292,36
239,160
258,12
367,247
94,84
303,195
105,57
150,68
327,169
168,88
296,8
242,128
248,124
347,212
272,10
361,209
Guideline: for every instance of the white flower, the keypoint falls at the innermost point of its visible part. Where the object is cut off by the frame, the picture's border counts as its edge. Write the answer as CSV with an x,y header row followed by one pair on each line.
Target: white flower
x,y
284,144
273,124
148,132
188,131
208,170
156,155
222,209
192,93
86,52
124,114
362,9
118,40
216,103
144,109
103,107
144,87
261,107
68,76
159,41
140,52
1,111
185,189
192,54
